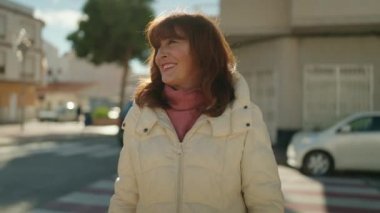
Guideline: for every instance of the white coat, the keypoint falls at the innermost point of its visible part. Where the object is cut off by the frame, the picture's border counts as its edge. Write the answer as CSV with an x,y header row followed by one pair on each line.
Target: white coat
x,y
224,164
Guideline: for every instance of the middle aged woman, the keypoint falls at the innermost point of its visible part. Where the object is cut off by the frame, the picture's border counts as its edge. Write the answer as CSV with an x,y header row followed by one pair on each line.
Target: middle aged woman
x,y
193,141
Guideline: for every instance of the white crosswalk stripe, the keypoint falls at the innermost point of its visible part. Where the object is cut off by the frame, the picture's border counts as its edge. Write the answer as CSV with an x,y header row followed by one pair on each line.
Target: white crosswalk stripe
x,y
302,194
94,198
328,194
8,153
106,153
80,149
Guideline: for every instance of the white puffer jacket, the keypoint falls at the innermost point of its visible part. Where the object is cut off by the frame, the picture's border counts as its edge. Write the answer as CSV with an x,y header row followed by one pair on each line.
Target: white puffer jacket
x,y
224,164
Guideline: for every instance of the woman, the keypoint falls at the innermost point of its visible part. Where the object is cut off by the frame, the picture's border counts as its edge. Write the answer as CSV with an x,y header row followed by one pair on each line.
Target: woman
x,y
194,141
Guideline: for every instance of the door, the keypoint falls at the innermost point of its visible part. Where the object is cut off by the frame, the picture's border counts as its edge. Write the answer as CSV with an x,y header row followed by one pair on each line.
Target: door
x,y
358,146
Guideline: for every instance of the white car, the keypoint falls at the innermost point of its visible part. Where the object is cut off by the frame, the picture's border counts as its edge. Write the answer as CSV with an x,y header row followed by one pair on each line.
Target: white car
x,y
351,144
60,114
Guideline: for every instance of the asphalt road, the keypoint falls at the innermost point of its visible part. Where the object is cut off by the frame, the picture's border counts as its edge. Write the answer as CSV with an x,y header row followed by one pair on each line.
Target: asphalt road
x,y
38,170
34,171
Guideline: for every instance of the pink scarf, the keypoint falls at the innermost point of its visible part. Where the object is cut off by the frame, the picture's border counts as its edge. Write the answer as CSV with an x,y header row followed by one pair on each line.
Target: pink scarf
x,y
184,108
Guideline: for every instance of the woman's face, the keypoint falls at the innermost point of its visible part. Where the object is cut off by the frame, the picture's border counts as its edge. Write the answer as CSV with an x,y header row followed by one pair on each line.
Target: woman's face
x,y
176,64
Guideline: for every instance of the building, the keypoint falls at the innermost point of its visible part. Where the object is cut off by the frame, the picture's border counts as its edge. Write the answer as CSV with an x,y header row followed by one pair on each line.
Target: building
x,y
72,79
105,80
20,61
53,63
309,63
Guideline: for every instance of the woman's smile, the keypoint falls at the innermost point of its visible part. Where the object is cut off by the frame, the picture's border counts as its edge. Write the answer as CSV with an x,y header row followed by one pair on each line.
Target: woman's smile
x,y
167,66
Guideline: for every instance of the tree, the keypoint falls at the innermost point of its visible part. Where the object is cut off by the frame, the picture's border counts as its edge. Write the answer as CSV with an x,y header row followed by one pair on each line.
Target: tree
x,y
113,31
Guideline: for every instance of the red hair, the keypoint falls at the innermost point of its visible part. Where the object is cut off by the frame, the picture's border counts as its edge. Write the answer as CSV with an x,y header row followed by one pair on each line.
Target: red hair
x,y
210,51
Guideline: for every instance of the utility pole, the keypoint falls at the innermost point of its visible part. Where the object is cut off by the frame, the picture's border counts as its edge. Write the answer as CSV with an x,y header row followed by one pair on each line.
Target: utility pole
x,y
23,43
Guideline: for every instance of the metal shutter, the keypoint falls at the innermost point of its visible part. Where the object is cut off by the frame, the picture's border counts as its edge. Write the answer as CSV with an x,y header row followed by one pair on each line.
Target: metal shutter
x,y
335,91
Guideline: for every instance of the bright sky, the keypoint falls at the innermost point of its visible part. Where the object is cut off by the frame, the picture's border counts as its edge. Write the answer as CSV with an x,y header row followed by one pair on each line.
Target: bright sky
x,y
61,16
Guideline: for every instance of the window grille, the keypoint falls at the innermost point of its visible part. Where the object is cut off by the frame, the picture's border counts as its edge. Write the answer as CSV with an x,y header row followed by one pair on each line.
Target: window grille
x,y
335,91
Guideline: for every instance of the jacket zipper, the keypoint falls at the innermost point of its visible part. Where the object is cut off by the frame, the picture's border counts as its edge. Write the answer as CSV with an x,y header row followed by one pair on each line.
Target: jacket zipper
x,y
180,180
180,161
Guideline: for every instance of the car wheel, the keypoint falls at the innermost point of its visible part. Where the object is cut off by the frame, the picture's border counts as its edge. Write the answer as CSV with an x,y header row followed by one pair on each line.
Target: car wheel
x,y
317,163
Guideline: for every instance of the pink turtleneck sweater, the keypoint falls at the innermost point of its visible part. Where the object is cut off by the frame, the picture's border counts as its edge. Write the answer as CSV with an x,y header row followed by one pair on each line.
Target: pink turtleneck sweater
x,y
184,108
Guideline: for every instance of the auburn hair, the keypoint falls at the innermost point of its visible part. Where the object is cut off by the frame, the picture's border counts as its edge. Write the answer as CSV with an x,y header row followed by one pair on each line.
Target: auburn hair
x,y
209,50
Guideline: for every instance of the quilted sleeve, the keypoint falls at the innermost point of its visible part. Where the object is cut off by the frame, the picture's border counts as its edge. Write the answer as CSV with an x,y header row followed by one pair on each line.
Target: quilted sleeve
x,y
261,185
125,197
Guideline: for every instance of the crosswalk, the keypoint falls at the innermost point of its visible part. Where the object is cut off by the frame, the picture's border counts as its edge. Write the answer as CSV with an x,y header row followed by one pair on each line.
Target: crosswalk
x,y
91,199
99,150
302,194
328,194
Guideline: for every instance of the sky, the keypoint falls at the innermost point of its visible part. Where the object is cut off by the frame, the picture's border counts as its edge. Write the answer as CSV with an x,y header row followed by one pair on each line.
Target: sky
x,y
61,16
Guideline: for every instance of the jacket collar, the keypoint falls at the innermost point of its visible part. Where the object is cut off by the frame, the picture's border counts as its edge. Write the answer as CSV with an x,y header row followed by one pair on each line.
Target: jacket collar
x,y
236,118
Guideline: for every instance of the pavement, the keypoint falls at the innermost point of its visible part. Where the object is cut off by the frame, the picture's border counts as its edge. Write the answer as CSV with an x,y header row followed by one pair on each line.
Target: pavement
x,y
92,198
10,133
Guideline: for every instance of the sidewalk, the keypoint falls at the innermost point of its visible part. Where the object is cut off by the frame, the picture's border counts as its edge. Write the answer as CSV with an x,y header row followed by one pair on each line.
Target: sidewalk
x,y
8,132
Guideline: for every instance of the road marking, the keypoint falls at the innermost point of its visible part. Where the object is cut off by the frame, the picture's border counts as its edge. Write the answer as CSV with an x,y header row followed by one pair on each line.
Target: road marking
x,y
327,194
83,149
46,211
94,198
366,190
86,199
103,184
106,153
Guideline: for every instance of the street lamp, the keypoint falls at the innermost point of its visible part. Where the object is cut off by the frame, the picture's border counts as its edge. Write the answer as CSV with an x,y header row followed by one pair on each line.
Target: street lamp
x,y
23,43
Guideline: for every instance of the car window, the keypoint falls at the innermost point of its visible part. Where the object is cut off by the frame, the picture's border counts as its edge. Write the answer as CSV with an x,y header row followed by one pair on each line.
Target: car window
x,y
376,124
361,124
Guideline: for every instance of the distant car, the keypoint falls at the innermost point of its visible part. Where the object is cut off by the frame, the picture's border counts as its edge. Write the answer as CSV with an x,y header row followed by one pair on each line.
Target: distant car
x,y
351,144
122,115
59,114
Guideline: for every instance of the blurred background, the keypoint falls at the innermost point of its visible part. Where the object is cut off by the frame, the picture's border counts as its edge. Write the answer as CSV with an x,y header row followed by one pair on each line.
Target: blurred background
x,y
68,69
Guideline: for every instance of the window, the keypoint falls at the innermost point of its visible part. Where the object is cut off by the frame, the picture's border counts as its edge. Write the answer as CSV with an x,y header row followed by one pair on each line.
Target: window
x,y
376,124
29,67
361,124
2,62
365,124
30,30
2,26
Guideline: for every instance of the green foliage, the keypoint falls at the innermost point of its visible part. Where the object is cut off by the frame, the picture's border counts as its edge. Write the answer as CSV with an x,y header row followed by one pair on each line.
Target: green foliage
x,y
112,30
100,112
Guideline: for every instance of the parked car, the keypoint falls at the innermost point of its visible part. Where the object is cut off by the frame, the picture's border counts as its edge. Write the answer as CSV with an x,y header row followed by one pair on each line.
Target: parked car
x,y
351,144
59,114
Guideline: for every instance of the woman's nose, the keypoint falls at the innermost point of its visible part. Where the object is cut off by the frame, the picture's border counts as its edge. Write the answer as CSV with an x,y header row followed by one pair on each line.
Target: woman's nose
x,y
161,53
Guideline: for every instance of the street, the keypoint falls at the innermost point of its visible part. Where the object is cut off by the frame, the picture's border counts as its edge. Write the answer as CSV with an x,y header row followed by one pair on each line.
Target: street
x,y
346,192
329,194
62,168
38,169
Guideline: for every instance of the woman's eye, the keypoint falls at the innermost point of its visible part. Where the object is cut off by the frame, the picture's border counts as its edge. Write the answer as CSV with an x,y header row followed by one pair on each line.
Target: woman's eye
x,y
172,41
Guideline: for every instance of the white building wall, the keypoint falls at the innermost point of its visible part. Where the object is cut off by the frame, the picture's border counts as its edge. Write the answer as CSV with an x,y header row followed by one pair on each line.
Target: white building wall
x,y
53,64
334,12
105,78
18,17
261,17
282,107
